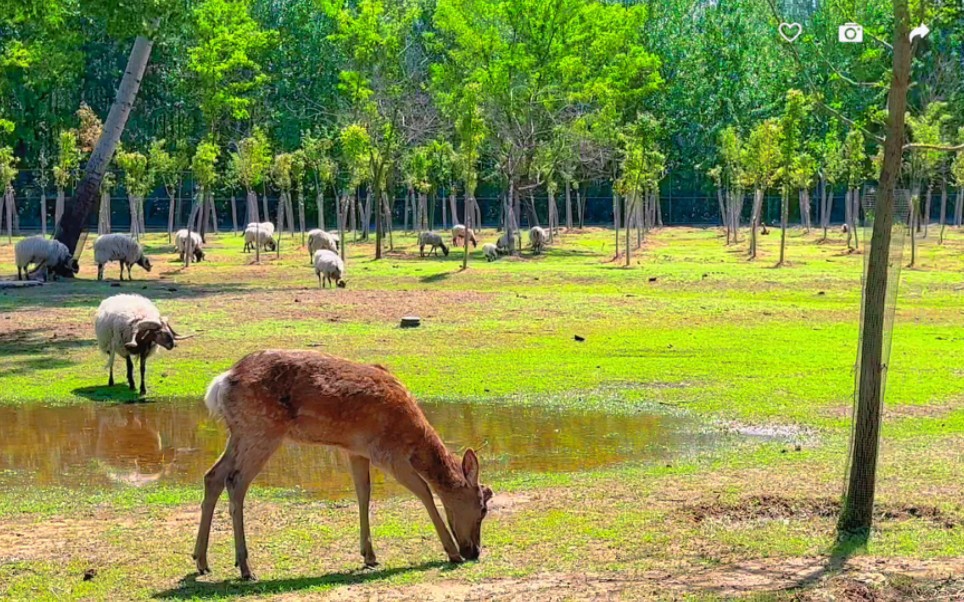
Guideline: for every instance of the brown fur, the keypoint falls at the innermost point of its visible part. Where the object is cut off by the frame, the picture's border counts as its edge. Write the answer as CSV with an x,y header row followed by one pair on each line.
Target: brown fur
x,y
362,409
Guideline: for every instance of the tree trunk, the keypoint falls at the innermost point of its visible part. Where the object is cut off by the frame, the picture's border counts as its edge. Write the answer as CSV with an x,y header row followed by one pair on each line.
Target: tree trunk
x,y
914,222
827,208
723,219
135,222
408,202
784,210
340,217
943,210
58,209
755,220
445,214
379,219
213,213
466,211
103,217
252,202
581,207
301,215
75,218
630,205
616,221
927,209
568,205
848,217
234,214
509,218
857,513
320,205
455,210
7,203
959,207
205,218
43,212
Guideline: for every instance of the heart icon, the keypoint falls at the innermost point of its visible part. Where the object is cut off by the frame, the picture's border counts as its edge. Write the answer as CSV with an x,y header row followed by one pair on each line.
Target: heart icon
x,y
790,31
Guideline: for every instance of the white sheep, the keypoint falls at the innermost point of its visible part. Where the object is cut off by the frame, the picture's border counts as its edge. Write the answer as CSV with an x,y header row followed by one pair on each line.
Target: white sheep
x,y
431,239
49,255
329,268
458,236
266,226
122,248
319,239
181,244
490,251
258,234
538,238
130,325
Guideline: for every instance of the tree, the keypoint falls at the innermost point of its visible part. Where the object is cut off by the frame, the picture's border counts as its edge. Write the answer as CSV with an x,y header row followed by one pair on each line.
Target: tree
x,y
318,161
791,143
8,171
281,177
225,61
832,171
957,172
204,165
732,176
924,166
762,160
249,166
854,157
138,181
167,168
356,150
65,171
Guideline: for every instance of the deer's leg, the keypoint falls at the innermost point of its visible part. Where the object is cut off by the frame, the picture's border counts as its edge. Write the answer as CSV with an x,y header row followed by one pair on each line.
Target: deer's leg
x,y
361,475
252,454
214,481
406,475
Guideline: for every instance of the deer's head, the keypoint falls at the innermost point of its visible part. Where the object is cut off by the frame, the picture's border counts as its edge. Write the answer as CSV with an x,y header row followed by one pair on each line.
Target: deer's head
x,y
466,507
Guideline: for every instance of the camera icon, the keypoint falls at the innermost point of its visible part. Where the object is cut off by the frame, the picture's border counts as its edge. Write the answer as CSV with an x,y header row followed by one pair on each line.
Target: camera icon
x,y
850,33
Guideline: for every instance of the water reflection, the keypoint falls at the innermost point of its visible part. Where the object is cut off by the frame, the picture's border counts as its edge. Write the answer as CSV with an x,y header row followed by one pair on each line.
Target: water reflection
x,y
135,445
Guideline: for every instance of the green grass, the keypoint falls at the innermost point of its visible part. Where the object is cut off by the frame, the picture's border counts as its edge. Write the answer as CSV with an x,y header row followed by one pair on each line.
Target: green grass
x,y
691,325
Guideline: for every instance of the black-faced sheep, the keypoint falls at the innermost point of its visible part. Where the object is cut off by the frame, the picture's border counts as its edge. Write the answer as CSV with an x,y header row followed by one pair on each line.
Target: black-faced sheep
x,y
181,244
128,326
48,255
329,268
122,248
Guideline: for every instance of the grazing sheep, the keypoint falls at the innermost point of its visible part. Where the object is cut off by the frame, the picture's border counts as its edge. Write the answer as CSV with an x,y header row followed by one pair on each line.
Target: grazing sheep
x,y
458,236
845,229
329,268
49,255
538,238
122,248
426,239
180,244
265,226
258,234
490,251
502,245
320,240
130,325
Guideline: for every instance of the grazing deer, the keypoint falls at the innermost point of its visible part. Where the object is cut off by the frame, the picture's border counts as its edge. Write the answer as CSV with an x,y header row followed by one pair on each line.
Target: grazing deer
x,y
316,398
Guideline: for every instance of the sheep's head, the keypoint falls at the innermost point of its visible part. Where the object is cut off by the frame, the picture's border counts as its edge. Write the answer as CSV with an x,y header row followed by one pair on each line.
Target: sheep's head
x,y
67,268
445,250
270,245
144,262
148,333
340,283
198,255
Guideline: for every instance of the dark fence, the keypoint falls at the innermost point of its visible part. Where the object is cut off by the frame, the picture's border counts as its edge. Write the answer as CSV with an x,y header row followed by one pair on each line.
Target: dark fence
x,y
694,208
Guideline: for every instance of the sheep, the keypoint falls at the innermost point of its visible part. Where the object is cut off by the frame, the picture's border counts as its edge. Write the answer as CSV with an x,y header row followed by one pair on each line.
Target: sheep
x,y
490,251
130,325
319,239
266,226
458,236
49,255
258,234
433,240
502,245
538,238
329,268
180,244
122,248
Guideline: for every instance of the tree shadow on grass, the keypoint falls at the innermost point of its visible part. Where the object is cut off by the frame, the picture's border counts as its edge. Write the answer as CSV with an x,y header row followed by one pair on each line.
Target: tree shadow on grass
x,y
844,547
435,277
189,588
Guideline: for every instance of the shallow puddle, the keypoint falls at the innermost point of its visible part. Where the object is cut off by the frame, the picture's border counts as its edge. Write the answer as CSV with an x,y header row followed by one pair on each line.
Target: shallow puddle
x,y
134,445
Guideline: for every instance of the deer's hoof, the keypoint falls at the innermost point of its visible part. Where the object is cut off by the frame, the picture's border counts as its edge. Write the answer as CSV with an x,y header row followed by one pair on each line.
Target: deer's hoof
x,y
456,559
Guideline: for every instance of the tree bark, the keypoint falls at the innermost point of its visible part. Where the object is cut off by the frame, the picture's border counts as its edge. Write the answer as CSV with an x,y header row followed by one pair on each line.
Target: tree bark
x,y
943,210
784,210
43,212
568,205
927,209
581,208
857,513
959,207
234,214
103,217
75,217
755,220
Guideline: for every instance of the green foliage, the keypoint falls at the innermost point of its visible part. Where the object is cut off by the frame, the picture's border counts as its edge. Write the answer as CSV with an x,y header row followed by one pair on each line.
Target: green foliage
x,y
8,167
138,179
957,167
732,173
643,164
928,129
854,159
316,153
418,165
250,164
204,163
356,149
281,171
164,166
68,159
792,124
226,59
761,155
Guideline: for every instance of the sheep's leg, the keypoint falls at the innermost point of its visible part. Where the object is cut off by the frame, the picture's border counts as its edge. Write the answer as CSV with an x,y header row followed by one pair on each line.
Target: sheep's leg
x,y
252,455
320,281
18,273
130,372
214,481
100,271
122,279
110,364
129,277
361,475
143,362
405,474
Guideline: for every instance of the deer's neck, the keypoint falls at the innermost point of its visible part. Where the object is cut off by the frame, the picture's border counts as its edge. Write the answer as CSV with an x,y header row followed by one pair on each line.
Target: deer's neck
x,y
439,467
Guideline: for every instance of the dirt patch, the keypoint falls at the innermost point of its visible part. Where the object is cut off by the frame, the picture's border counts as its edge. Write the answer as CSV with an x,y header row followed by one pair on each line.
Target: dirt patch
x,y
53,538
780,432
770,507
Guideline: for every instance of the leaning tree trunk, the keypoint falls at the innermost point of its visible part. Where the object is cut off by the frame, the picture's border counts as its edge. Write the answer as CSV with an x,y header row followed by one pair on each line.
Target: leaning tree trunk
x,y
857,513
85,198
170,215
629,202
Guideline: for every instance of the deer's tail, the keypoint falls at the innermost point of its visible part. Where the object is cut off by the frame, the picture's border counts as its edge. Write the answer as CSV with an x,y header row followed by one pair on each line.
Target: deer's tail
x,y
217,393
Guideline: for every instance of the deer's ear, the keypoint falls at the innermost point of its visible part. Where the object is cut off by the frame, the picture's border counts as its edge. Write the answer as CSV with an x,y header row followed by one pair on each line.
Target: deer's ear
x,y
470,467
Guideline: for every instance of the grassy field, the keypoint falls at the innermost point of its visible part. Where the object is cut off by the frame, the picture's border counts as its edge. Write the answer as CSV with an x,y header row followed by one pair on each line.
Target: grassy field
x,y
690,326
